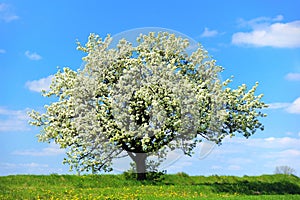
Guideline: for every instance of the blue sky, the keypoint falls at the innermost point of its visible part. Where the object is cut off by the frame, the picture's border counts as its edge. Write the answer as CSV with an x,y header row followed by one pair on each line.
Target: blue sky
x,y
257,40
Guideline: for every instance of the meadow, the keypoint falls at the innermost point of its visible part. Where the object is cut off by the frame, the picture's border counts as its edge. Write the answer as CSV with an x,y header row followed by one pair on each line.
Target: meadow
x,y
176,186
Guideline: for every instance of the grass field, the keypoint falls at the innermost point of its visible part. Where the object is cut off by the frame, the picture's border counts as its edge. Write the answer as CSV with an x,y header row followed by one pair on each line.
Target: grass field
x,y
179,186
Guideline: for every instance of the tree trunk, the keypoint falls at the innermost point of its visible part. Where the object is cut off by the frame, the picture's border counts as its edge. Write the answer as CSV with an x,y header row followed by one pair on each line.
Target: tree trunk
x,y
140,163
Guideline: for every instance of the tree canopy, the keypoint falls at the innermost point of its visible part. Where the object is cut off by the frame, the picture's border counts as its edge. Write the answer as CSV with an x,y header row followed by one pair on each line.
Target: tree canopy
x,y
143,100
285,170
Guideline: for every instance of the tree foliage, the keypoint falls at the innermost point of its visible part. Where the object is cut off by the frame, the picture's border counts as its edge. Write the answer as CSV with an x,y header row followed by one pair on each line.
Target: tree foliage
x,y
143,100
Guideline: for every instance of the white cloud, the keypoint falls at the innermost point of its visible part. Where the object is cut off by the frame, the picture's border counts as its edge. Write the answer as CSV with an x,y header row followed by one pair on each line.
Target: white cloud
x,y
278,18
209,33
39,85
6,13
266,33
293,76
255,155
19,114
278,105
21,165
294,107
289,153
179,166
237,161
283,142
13,120
32,56
234,167
52,150
216,167
259,21
272,142
240,156
30,168
262,144
2,51
289,157
289,133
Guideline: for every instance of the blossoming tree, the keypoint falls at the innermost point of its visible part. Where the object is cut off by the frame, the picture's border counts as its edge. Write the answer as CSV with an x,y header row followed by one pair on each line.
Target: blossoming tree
x,y
141,101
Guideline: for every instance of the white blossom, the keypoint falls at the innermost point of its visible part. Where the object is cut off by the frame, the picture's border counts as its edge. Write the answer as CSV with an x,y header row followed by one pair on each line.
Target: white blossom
x,y
143,99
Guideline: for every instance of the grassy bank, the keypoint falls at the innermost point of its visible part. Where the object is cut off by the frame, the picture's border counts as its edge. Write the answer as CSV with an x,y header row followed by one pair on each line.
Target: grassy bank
x,y
179,186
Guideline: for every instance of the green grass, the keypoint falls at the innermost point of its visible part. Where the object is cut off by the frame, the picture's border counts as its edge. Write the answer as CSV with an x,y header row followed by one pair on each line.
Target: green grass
x,y
179,186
